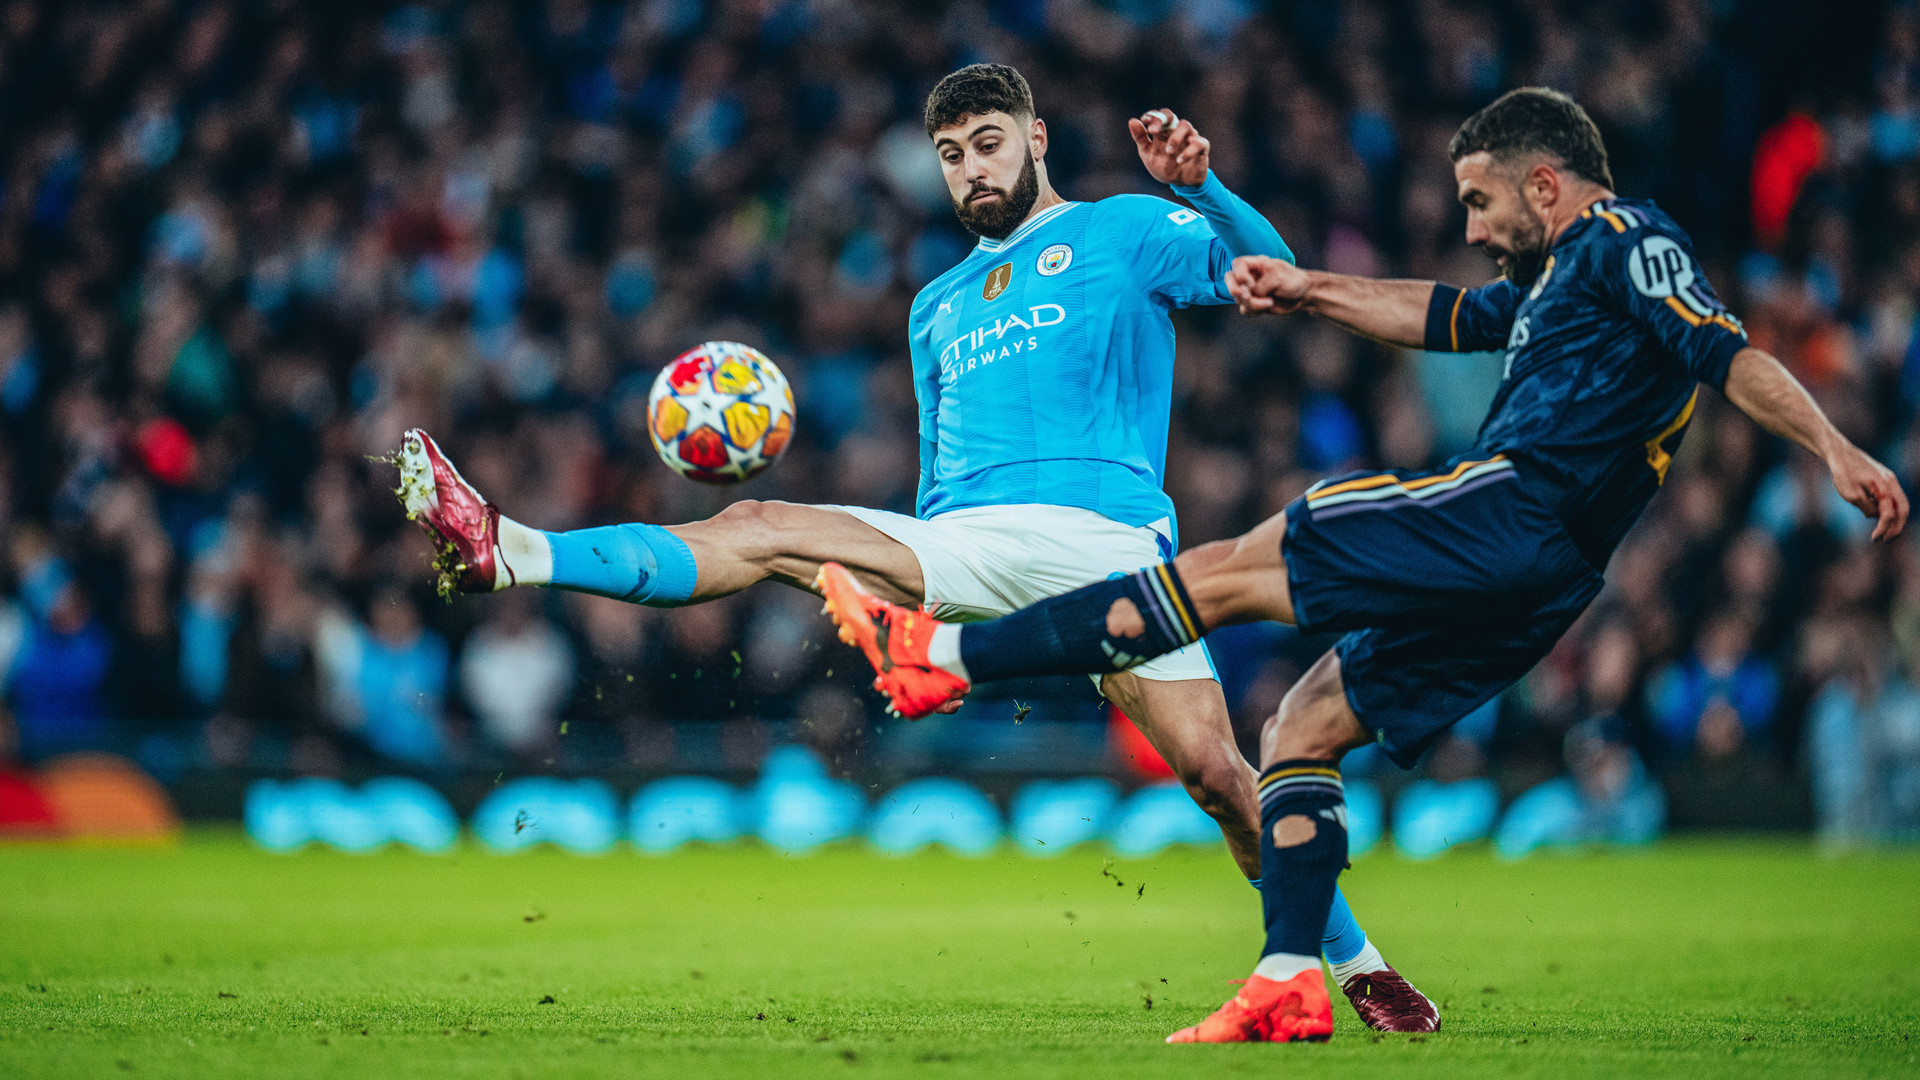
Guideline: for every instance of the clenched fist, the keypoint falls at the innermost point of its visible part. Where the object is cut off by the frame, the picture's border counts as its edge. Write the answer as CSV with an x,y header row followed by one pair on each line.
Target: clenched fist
x,y
1263,285
1172,151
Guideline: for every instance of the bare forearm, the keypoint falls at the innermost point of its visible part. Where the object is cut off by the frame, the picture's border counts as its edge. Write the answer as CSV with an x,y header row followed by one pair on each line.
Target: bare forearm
x,y
1391,311
1761,387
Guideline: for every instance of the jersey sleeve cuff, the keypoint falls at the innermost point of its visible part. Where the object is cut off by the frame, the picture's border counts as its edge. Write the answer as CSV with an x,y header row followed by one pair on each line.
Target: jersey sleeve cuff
x,y
1443,318
1189,192
1718,361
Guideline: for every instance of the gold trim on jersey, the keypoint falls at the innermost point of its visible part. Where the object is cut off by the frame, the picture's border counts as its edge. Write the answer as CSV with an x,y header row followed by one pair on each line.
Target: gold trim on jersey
x,y
1657,456
1386,480
1715,319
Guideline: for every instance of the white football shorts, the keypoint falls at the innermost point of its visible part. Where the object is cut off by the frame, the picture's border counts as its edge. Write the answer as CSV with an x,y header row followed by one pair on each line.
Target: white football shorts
x,y
985,561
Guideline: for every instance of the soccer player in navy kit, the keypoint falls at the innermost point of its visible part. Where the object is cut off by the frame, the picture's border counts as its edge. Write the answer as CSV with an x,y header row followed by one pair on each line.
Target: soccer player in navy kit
x,y
1448,585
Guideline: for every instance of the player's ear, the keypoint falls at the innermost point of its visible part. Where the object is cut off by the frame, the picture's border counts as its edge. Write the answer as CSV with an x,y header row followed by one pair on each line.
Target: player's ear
x,y
1543,185
1037,138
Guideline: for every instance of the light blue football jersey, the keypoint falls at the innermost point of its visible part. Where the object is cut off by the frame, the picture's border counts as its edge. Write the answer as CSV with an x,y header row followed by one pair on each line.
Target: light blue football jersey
x,y
1043,363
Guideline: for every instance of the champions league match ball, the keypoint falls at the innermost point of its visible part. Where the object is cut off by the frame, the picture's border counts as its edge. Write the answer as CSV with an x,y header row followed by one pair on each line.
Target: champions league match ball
x,y
720,413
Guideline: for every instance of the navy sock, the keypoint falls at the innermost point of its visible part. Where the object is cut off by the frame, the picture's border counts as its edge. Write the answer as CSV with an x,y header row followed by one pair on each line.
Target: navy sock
x,y
1343,939
1303,848
1067,634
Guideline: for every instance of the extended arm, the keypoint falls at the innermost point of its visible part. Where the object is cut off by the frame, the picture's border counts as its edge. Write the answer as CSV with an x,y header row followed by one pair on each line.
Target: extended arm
x,y
1244,230
1178,156
1391,311
1760,387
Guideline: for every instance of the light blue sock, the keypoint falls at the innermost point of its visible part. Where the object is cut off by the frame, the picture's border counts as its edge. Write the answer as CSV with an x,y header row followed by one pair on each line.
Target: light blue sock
x,y
641,564
1343,938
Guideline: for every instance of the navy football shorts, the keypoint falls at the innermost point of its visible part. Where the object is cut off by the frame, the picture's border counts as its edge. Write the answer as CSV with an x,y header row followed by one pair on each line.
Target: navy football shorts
x,y
1449,586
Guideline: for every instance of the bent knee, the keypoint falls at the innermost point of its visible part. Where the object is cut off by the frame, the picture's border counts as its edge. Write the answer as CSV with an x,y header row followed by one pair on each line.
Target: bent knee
x,y
745,512
1216,786
757,516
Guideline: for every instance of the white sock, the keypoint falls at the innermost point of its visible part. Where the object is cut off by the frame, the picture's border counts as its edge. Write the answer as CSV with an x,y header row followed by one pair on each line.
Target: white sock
x,y
524,553
1282,966
944,650
1368,959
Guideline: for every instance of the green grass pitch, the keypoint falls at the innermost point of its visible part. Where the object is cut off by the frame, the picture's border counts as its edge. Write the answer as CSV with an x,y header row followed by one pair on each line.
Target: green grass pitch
x,y
1697,959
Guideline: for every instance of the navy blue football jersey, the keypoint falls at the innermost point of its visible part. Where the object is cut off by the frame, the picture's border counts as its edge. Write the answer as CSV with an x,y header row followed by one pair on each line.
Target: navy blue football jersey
x,y
1604,354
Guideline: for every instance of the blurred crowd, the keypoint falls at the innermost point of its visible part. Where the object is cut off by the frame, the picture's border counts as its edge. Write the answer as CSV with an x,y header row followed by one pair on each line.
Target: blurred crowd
x,y
243,246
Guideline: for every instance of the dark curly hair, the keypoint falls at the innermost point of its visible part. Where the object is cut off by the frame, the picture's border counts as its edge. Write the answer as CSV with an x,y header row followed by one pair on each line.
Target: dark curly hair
x,y
1533,119
976,90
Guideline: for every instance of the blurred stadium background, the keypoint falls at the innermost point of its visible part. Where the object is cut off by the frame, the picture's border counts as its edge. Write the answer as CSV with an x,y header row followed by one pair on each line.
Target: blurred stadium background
x,y
244,245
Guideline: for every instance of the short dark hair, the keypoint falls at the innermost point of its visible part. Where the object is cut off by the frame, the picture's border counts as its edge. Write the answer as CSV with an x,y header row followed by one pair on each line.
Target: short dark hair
x,y
976,90
1534,119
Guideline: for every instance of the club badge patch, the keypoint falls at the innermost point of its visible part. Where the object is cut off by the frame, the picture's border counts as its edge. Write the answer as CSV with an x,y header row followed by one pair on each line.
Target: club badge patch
x,y
997,282
1053,260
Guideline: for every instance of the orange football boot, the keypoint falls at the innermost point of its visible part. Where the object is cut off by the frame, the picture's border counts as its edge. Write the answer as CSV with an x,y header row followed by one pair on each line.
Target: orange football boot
x,y
1267,1010
895,640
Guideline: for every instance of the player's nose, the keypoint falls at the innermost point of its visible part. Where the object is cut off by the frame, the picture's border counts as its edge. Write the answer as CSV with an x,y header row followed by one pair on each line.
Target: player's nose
x,y
1477,231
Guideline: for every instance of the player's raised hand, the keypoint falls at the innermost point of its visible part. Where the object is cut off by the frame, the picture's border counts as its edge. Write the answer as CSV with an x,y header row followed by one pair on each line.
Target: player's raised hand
x,y
1872,487
1263,285
1172,151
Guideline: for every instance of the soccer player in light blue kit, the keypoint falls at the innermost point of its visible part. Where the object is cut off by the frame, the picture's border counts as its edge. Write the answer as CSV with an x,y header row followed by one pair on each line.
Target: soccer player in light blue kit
x,y
1043,367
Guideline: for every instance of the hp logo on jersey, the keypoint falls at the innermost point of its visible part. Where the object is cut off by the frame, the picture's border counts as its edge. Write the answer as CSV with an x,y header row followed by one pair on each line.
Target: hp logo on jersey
x,y
1659,268
1053,260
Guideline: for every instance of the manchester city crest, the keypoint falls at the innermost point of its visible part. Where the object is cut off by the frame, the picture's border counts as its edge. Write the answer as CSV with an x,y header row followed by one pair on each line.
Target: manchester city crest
x,y
1053,260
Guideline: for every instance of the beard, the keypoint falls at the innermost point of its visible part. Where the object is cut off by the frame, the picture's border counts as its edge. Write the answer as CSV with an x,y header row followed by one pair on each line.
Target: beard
x,y
997,220
1527,255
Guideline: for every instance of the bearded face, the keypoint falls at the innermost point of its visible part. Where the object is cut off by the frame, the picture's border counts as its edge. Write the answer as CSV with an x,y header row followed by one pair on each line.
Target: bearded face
x,y
995,212
1522,251
1501,220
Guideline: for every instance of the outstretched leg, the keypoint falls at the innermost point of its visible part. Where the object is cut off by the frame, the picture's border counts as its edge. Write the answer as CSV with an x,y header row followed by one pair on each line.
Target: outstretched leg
x,y
480,550
1109,626
1117,624
754,541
